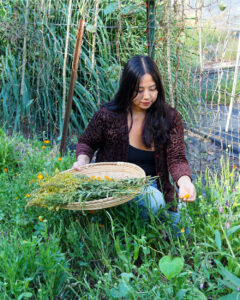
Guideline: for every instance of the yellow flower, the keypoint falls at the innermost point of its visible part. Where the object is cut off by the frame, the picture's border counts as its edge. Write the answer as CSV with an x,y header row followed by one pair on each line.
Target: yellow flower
x,y
40,218
44,147
28,195
234,167
46,141
59,159
186,196
93,177
40,175
5,169
99,178
231,174
182,230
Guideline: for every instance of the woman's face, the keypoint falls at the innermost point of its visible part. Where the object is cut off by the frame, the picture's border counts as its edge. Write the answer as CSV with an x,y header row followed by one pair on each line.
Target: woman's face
x,y
146,94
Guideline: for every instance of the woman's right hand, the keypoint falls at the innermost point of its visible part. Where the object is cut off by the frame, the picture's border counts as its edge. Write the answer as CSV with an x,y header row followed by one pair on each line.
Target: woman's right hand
x,y
81,161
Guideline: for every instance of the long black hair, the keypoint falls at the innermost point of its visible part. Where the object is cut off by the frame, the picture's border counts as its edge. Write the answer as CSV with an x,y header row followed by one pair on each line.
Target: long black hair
x,y
156,122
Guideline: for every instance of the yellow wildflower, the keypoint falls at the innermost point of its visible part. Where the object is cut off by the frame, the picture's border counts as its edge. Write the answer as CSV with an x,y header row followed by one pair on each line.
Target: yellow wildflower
x,y
59,159
93,177
5,169
40,218
234,167
182,230
28,195
44,147
186,196
46,141
99,178
40,175
231,174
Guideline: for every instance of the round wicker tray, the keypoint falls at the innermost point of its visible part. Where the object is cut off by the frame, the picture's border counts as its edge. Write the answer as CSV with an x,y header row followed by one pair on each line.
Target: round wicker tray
x,y
115,170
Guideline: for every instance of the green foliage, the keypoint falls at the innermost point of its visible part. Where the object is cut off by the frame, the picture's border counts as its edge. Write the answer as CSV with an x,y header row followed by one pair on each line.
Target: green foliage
x,y
38,105
9,159
114,253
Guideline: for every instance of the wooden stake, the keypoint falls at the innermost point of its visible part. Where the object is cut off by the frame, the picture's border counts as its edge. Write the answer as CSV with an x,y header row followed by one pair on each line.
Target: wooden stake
x,y
76,56
24,49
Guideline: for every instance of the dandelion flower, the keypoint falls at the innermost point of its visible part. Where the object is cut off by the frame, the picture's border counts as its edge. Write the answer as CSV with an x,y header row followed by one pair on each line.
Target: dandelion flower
x,y
59,159
44,147
5,169
231,174
40,218
28,195
186,196
46,141
40,175
182,230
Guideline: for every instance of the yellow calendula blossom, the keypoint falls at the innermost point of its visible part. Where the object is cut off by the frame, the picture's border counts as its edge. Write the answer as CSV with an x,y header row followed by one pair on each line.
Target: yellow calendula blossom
x,y
186,196
59,159
28,195
46,141
182,230
40,218
5,169
44,147
40,175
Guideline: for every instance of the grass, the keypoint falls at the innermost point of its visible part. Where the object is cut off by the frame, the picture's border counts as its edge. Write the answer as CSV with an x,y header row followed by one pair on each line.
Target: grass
x,y
112,253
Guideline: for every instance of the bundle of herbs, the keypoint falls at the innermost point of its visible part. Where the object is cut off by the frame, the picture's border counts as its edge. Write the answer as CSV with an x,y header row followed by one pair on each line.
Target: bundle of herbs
x,y
67,187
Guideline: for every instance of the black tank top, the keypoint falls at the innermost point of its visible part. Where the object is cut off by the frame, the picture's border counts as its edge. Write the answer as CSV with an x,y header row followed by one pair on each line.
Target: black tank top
x,y
142,158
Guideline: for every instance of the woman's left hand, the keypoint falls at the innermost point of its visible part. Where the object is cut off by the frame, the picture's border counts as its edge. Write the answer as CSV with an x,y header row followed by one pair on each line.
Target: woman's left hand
x,y
187,191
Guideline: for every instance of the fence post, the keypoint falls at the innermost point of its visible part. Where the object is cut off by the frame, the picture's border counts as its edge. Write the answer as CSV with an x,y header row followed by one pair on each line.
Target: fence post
x,y
151,26
76,56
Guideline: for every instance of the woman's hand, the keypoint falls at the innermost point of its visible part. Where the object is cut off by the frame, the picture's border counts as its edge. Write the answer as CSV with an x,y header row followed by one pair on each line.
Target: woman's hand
x,y
187,191
81,161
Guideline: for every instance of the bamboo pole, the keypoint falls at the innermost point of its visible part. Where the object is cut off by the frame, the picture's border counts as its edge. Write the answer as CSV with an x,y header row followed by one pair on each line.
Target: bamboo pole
x,y
65,58
24,49
95,33
169,53
76,56
233,87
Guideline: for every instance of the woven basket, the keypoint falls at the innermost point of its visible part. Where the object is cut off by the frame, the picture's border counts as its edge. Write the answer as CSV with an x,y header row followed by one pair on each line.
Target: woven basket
x,y
115,170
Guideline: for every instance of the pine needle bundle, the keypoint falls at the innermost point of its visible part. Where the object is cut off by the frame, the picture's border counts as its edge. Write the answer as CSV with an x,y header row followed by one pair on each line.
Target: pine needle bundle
x,y
65,188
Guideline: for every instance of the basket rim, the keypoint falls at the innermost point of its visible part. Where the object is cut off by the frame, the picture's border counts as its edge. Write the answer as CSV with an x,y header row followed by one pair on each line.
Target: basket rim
x,y
118,163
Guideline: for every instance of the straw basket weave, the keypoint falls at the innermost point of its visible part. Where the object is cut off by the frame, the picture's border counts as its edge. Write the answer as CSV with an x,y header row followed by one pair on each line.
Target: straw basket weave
x,y
115,170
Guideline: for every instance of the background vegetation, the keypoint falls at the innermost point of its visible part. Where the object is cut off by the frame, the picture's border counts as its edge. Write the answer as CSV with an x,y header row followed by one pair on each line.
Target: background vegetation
x,y
120,32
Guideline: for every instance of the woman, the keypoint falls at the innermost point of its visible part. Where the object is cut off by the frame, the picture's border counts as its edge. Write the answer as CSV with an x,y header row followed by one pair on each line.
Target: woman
x,y
138,126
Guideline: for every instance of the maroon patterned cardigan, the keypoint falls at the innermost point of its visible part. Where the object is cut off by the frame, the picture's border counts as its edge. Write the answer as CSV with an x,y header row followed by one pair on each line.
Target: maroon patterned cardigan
x,y
107,132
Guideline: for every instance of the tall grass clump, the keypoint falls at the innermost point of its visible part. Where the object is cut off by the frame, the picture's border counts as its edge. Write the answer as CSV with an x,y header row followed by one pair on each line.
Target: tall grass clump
x,y
33,100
